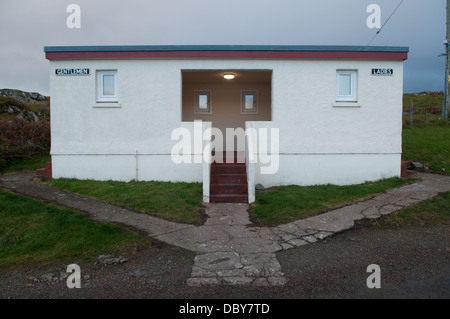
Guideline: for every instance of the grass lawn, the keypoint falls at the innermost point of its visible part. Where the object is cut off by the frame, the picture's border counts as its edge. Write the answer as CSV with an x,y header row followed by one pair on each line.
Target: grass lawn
x,y
180,202
429,144
430,103
427,213
32,232
284,204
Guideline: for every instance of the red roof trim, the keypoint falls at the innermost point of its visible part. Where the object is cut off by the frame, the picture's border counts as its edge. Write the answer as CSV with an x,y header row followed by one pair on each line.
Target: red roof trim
x,y
227,54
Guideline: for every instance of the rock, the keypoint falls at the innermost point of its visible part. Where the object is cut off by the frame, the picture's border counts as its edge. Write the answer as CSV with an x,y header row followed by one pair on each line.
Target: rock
x,y
137,273
259,187
34,116
32,280
354,238
48,276
37,96
28,115
112,260
11,109
416,165
422,245
63,275
32,98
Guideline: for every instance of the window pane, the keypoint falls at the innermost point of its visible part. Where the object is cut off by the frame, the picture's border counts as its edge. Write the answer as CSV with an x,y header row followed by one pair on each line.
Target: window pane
x,y
345,84
203,101
249,101
109,87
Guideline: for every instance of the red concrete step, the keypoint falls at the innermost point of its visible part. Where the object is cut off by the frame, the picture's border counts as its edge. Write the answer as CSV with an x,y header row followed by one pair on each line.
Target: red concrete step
x,y
224,157
45,172
228,169
228,161
404,169
40,172
228,198
48,170
228,189
229,179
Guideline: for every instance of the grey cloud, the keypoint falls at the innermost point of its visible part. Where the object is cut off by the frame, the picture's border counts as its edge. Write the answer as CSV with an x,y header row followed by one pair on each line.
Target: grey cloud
x,y
26,26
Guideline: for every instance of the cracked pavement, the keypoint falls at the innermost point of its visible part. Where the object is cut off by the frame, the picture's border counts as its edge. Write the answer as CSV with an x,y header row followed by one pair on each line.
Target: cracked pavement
x,y
229,249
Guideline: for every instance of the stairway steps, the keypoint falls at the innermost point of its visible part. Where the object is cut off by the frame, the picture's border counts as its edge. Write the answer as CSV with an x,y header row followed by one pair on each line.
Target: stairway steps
x,y
225,157
229,188
228,198
228,168
228,181
45,172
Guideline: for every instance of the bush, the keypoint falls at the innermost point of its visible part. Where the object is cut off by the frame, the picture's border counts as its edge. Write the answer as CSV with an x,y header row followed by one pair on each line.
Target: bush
x,y
21,139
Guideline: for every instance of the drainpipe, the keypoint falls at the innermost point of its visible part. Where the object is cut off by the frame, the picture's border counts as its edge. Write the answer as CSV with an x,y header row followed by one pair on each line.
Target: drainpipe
x,y
447,65
136,157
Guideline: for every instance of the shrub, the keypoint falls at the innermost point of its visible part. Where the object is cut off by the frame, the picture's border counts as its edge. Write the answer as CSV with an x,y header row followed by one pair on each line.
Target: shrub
x,y
21,139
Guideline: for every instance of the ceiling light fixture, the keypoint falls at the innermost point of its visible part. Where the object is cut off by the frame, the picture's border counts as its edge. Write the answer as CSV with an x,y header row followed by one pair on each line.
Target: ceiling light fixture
x,y
228,76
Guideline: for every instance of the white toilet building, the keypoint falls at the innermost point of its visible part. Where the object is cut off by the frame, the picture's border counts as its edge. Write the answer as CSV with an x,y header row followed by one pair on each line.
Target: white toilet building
x,y
331,114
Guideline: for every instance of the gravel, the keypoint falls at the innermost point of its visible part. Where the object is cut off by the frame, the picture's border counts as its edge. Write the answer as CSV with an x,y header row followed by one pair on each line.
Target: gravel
x,y
414,263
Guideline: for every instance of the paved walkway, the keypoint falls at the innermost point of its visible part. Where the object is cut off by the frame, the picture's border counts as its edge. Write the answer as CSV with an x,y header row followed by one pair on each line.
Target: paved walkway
x,y
229,249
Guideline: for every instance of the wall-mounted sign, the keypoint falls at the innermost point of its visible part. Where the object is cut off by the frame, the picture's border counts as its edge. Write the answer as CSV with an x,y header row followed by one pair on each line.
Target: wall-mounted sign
x,y
382,71
75,71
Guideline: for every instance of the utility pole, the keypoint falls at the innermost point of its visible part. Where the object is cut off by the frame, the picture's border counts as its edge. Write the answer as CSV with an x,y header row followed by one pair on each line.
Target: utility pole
x,y
445,107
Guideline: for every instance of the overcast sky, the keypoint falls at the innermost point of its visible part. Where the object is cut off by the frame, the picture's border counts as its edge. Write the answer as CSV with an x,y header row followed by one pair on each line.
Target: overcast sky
x,y
26,26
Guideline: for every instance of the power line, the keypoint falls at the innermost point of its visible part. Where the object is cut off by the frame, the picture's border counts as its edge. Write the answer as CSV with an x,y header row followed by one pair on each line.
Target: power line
x,y
386,21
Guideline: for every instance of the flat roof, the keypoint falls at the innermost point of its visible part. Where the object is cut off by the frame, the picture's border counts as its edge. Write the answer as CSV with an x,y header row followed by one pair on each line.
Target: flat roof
x,y
116,48
226,51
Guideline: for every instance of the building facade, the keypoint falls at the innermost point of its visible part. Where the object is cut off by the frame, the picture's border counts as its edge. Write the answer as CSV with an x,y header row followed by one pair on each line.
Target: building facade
x,y
301,115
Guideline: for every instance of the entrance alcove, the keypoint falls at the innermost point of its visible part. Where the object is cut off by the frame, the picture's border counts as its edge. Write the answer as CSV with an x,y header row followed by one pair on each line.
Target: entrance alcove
x,y
228,103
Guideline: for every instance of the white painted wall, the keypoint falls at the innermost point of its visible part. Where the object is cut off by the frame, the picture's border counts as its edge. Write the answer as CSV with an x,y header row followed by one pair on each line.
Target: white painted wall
x,y
319,141
338,169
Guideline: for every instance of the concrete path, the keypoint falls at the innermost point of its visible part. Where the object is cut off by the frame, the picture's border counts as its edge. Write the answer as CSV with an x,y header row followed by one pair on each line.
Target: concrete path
x,y
229,249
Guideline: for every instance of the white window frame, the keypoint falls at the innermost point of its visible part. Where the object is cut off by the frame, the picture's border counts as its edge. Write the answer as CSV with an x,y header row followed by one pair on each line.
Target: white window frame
x,y
197,109
100,96
253,110
352,97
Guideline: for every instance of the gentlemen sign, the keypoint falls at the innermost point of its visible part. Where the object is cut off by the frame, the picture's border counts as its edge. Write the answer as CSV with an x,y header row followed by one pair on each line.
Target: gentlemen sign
x,y
76,71
382,71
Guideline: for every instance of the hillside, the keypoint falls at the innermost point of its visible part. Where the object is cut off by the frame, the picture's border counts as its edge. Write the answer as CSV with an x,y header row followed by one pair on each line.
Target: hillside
x,y
424,99
24,126
32,107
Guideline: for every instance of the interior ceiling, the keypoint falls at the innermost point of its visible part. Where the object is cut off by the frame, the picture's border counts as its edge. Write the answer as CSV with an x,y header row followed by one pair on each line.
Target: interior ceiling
x,y
216,76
